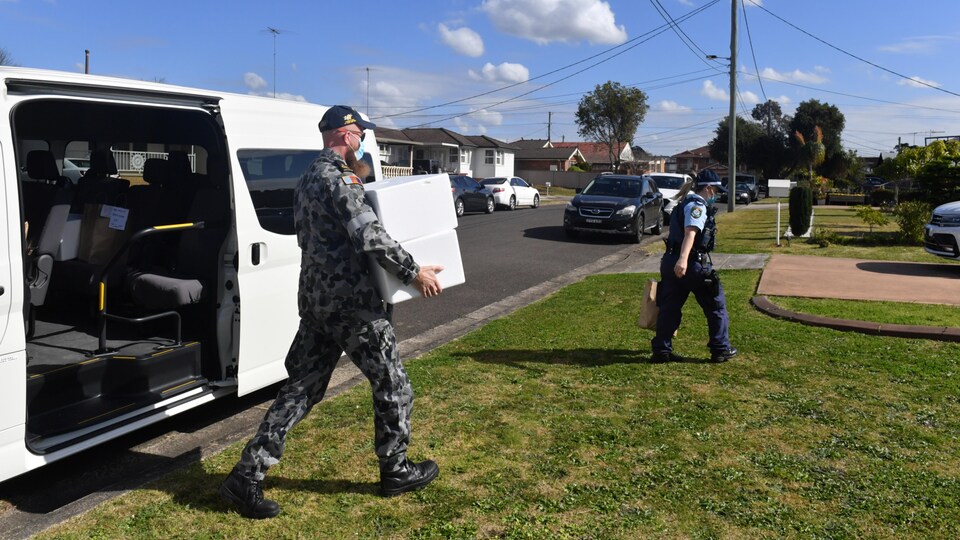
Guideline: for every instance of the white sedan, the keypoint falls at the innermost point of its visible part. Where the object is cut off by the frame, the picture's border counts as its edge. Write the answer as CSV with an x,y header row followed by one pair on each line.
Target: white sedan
x,y
670,185
510,191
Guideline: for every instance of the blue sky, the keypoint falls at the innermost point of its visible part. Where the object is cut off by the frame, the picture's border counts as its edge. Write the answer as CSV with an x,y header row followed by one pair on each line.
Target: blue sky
x,y
534,57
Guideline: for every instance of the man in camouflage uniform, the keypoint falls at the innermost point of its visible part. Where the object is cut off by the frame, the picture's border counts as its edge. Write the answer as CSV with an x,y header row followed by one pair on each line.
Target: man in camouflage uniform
x,y
340,310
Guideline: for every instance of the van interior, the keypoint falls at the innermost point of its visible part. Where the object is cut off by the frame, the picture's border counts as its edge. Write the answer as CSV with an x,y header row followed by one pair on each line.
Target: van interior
x,y
127,303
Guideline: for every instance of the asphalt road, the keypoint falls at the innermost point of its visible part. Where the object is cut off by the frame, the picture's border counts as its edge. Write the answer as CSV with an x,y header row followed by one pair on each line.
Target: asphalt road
x,y
503,253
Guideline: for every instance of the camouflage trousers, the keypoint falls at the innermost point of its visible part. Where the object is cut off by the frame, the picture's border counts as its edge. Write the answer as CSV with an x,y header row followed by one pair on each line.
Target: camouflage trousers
x,y
372,346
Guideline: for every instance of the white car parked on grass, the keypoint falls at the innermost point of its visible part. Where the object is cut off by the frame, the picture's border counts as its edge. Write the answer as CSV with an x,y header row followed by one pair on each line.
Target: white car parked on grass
x,y
941,236
510,191
670,185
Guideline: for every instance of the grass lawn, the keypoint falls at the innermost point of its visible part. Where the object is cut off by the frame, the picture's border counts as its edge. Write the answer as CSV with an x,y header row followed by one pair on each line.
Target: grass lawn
x,y
881,312
753,230
549,424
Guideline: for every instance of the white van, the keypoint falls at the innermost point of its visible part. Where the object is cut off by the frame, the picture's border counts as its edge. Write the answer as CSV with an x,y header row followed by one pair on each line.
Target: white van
x,y
162,279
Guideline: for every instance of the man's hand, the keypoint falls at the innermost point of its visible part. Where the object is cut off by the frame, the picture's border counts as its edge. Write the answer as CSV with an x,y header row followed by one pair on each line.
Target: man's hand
x,y
426,281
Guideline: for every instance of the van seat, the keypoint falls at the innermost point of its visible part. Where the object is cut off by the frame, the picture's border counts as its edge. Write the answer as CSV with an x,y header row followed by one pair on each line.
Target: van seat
x,y
97,185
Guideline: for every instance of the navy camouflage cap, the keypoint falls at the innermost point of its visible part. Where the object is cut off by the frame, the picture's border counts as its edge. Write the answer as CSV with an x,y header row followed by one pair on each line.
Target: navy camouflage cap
x,y
340,115
707,177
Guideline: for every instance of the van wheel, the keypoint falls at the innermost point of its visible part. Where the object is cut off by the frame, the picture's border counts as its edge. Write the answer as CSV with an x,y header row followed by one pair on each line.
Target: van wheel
x,y
513,202
491,206
459,207
638,230
536,201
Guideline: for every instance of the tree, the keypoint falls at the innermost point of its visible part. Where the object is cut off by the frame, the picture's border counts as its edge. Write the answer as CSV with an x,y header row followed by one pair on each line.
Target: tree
x,y
762,145
611,115
771,118
747,135
5,58
808,116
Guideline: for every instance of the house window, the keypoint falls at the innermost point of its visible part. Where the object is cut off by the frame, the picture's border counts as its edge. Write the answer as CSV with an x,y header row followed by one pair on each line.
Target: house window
x,y
418,154
464,156
452,155
488,157
499,157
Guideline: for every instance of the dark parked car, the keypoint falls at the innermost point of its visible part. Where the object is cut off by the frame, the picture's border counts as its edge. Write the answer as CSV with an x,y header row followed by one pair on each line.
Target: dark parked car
x,y
616,204
871,183
469,195
748,179
743,193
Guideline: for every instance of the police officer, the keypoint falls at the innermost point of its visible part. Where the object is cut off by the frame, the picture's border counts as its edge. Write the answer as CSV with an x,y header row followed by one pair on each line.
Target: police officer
x,y
340,310
686,268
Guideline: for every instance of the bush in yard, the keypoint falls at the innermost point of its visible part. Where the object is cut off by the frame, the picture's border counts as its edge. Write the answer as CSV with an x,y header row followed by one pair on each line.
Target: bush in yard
x,y
801,208
881,197
871,216
912,216
823,237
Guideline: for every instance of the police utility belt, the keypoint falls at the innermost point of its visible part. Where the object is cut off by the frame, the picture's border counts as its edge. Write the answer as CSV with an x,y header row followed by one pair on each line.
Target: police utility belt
x,y
695,254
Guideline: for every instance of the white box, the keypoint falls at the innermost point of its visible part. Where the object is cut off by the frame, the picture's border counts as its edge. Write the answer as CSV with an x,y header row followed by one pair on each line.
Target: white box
x,y
440,248
413,206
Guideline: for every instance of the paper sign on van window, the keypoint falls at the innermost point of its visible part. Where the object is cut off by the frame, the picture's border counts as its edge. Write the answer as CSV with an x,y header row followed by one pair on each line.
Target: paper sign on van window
x,y
117,215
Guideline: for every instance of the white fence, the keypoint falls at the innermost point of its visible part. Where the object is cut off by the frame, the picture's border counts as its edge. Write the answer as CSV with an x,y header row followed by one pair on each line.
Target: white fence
x,y
392,171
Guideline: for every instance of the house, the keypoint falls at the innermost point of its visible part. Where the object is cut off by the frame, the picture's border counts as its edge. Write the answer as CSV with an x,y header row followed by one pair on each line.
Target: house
x,y
542,155
598,155
442,150
396,152
647,162
492,157
692,161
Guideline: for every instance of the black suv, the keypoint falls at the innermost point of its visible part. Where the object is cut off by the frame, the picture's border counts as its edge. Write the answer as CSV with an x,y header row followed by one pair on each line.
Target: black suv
x,y
469,195
616,204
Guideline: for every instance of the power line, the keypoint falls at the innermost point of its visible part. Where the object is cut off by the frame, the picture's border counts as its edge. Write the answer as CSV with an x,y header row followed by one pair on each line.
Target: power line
x,y
652,33
753,53
702,55
850,54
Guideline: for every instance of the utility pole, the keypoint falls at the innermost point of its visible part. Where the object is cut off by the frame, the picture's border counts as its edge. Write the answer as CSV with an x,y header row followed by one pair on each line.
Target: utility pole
x,y
368,90
549,124
86,61
732,122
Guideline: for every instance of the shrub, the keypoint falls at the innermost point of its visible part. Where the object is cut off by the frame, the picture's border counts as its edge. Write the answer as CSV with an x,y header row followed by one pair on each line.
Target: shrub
x,y
912,216
881,197
824,237
871,216
801,208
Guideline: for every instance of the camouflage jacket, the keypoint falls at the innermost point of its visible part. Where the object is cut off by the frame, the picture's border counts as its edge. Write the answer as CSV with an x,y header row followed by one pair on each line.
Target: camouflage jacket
x,y
336,230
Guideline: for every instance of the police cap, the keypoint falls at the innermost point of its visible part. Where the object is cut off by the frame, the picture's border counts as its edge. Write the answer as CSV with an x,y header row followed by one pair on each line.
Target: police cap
x,y
707,177
340,115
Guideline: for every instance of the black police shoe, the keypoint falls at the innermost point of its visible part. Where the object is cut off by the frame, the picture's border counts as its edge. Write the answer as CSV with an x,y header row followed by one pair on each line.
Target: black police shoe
x,y
409,477
664,357
247,496
723,355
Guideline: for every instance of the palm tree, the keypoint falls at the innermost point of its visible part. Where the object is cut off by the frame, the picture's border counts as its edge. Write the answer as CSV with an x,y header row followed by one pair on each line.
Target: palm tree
x,y
812,152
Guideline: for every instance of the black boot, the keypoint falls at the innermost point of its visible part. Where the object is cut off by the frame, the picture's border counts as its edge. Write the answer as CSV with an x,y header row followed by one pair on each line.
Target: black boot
x,y
247,496
409,476
722,355
664,357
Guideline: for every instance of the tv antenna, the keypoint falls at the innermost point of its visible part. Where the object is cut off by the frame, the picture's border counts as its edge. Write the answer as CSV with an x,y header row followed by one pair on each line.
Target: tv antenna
x,y
276,32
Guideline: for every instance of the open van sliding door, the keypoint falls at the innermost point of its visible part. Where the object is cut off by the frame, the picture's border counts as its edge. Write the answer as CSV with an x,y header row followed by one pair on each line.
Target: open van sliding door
x,y
271,142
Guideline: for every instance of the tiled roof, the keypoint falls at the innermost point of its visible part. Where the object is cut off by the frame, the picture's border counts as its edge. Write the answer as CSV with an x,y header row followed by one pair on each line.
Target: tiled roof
x,y
530,143
437,136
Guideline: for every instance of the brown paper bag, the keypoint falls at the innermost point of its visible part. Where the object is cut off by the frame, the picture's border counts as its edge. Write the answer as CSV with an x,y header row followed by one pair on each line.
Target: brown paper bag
x,y
648,306
98,240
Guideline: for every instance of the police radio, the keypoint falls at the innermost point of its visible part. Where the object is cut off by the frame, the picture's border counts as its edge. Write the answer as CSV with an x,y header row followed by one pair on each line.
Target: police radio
x,y
708,237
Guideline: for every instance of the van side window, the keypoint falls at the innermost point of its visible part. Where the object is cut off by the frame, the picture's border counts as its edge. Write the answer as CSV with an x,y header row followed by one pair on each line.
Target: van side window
x,y
271,176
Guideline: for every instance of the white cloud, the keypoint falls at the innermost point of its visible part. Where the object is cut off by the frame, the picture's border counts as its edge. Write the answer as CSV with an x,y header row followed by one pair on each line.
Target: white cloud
x,y
918,45
462,40
504,73
783,100
484,116
917,82
253,81
709,90
796,76
749,97
545,21
752,3
672,107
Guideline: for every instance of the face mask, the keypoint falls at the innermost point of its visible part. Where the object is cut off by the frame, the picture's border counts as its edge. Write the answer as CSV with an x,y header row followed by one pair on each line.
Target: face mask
x,y
359,151
712,199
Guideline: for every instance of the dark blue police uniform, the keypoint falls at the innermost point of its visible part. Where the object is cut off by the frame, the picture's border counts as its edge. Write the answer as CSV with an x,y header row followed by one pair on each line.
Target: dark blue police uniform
x,y
672,292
